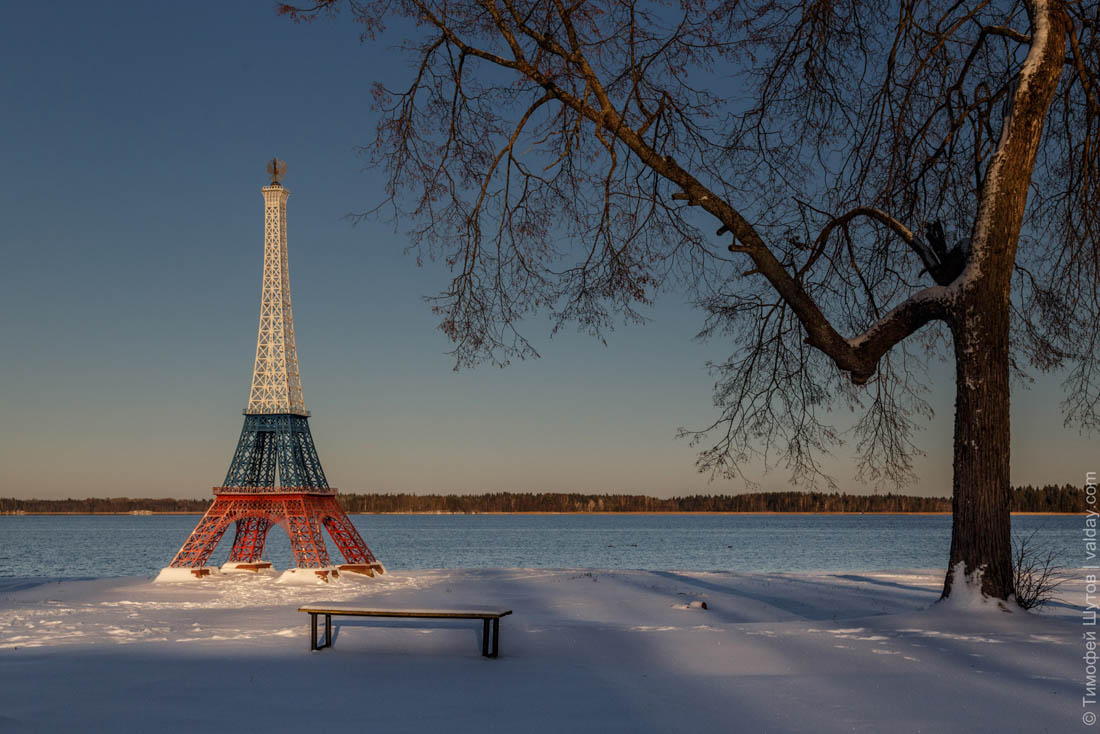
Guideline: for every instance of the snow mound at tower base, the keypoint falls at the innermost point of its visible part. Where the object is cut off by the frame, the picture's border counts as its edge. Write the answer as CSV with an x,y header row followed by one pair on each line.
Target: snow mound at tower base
x,y
317,576
176,575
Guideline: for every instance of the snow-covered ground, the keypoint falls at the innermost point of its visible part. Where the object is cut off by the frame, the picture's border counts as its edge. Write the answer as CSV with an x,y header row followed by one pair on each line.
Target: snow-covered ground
x,y
584,651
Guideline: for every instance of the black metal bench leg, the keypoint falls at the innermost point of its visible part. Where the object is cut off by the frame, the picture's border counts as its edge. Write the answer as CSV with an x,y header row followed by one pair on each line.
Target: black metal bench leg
x,y
496,637
328,630
485,638
312,631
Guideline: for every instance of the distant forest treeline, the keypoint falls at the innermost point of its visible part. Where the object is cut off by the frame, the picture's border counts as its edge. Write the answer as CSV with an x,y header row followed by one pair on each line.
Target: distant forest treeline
x,y
1024,499
105,505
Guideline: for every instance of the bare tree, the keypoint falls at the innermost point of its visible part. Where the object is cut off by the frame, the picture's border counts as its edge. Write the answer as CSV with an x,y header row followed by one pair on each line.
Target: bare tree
x,y
891,182
1037,573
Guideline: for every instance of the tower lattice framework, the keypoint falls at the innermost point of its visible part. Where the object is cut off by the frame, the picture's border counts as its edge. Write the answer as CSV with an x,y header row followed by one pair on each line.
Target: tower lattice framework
x,y
275,477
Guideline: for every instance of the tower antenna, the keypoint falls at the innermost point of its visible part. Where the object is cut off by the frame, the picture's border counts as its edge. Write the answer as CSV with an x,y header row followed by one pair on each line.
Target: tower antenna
x,y
276,169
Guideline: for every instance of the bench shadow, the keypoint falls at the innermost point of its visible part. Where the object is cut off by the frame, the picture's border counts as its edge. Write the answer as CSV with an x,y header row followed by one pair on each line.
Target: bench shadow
x,y
338,623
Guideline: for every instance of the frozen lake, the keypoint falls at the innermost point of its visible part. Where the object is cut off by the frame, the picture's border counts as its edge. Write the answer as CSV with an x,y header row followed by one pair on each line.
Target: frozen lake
x,y
93,546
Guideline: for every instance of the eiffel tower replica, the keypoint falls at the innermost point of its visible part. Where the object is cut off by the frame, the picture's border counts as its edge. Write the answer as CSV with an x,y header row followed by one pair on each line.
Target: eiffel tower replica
x,y
275,441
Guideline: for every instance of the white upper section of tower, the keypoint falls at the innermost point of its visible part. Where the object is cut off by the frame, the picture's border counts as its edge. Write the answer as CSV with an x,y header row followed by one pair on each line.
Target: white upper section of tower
x,y
276,384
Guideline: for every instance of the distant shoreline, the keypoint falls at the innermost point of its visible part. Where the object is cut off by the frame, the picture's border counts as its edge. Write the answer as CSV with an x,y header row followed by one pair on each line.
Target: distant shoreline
x,y
1047,499
918,514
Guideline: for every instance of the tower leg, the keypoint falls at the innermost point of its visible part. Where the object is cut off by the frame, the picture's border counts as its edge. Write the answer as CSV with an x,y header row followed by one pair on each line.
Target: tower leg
x,y
204,538
304,527
248,545
349,541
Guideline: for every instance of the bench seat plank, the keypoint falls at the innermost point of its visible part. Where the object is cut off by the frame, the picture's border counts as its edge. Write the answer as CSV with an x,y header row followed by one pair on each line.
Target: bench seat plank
x,y
410,613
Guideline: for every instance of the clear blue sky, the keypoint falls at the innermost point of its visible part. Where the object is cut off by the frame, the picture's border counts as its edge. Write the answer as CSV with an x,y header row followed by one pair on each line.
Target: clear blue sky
x,y
133,138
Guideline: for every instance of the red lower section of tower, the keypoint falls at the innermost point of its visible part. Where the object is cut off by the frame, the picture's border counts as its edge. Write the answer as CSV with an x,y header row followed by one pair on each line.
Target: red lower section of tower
x,y
301,512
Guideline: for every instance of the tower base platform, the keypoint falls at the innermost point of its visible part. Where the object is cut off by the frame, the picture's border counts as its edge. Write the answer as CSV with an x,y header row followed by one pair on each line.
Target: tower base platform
x,y
293,576
367,569
253,568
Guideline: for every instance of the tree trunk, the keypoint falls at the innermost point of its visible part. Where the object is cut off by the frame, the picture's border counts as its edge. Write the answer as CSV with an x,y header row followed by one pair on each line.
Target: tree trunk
x,y
981,513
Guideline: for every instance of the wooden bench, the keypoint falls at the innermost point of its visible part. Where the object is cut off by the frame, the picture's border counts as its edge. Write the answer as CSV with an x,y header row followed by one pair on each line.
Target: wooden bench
x,y
329,611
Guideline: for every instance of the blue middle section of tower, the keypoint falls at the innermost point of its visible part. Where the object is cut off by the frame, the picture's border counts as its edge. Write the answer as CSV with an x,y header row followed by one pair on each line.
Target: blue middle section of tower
x,y
276,445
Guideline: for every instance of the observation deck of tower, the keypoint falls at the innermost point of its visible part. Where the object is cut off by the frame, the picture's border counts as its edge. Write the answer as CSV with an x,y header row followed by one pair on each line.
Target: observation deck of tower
x,y
275,476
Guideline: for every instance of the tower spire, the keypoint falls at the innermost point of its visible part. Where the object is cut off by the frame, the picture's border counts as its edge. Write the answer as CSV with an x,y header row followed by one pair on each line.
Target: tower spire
x,y
276,383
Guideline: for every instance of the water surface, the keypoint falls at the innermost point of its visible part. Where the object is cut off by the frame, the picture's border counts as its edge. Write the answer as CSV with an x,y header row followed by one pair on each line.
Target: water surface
x,y
68,546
